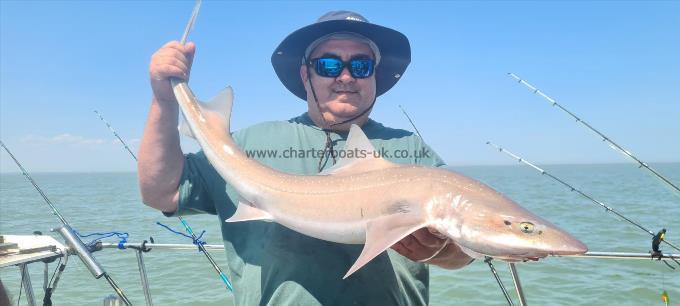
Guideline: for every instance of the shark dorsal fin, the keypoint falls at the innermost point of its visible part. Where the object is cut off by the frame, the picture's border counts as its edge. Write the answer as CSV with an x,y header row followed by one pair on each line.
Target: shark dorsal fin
x,y
359,155
220,105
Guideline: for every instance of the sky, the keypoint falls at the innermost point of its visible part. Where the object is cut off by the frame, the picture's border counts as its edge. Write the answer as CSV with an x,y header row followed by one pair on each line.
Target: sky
x,y
614,64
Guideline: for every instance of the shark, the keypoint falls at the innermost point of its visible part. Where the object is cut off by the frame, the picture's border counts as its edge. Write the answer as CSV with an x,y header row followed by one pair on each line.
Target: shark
x,y
366,199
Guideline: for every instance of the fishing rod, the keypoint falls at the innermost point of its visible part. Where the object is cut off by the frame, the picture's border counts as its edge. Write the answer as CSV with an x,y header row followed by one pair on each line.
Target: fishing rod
x,y
411,121
188,228
190,25
606,139
498,280
518,284
513,268
572,188
75,244
115,134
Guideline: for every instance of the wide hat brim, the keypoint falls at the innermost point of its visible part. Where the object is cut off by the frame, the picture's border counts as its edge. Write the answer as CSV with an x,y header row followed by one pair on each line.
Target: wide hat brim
x,y
395,52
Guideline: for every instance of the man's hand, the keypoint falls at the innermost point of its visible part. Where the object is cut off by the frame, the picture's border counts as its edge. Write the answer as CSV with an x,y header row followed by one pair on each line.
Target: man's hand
x,y
424,243
172,60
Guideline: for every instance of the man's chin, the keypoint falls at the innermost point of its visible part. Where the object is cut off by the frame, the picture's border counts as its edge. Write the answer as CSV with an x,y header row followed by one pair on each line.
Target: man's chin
x,y
345,114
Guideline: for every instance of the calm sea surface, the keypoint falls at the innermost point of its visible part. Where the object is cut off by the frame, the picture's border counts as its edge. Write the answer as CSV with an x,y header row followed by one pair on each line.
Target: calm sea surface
x,y
103,202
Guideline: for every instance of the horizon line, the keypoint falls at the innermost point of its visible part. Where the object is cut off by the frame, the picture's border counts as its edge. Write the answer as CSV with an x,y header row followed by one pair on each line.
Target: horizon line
x,y
448,166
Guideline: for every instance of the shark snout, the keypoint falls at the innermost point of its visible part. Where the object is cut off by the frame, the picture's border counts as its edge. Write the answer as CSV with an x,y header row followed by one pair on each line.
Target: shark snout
x,y
573,247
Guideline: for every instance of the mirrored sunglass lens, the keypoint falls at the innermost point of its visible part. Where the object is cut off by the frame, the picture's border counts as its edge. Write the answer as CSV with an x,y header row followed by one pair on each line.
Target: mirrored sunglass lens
x,y
329,67
362,68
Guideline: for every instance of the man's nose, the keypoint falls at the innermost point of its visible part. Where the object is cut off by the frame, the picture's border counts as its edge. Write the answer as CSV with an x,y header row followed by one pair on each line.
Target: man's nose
x,y
345,76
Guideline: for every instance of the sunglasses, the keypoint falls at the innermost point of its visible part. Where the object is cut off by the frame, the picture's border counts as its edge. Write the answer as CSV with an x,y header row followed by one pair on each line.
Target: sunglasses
x,y
330,67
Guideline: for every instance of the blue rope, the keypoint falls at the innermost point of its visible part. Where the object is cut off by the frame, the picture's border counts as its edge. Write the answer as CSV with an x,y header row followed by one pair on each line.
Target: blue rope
x,y
196,241
122,236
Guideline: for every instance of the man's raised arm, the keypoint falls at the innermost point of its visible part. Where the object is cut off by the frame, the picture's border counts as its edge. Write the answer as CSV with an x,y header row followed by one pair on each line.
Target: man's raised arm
x,y
161,159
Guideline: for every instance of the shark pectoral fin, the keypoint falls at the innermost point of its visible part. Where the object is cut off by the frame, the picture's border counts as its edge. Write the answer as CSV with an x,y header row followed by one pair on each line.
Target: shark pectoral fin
x,y
382,233
246,212
360,155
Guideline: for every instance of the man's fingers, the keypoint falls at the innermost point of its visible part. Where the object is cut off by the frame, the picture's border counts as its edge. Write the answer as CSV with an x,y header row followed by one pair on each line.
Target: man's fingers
x,y
176,63
398,247
415,250
187,48
402,250
173,45
428,239
176,51
167,72
169,56
190,51
168,67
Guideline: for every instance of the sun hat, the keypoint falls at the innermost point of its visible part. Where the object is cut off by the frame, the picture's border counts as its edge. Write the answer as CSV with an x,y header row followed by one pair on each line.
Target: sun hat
x,y
394,49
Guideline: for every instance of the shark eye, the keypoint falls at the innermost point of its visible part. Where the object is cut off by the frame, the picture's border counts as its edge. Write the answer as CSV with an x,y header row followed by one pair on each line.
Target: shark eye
x,y
526,227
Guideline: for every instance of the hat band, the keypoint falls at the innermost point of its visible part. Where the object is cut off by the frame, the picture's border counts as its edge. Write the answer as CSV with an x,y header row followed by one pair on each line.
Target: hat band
x,y
343,35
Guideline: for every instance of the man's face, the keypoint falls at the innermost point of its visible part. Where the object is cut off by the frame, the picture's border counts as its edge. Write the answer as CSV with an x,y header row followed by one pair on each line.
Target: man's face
x,y
344,96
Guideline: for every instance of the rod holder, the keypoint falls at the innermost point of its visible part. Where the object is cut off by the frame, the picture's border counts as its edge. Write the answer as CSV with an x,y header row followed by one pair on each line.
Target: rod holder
x,y
81,250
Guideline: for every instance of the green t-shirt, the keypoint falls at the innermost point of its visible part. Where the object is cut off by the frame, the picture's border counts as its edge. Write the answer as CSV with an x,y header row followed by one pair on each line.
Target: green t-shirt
x,y
273,265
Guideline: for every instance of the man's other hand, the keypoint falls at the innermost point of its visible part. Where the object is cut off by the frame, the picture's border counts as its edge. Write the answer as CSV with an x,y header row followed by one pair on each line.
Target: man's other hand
x,y
424,243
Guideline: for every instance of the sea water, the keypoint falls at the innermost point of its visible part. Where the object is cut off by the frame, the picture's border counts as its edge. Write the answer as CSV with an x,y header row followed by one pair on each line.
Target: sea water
x,y
105,202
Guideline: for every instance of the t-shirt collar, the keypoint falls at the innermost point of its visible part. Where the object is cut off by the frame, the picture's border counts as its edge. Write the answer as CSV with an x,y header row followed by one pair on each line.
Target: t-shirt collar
x,y
306,120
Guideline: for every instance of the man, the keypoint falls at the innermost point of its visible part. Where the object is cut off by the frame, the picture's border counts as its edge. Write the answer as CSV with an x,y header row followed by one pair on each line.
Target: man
x,y
339,65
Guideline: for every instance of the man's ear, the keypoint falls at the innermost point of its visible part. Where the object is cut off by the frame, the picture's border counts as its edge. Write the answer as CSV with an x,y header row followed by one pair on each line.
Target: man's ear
x,y
303,74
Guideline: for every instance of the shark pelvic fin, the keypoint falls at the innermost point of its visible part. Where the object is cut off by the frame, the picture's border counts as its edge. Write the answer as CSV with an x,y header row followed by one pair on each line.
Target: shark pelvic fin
x,y
221,105
359,155
247,212
382,233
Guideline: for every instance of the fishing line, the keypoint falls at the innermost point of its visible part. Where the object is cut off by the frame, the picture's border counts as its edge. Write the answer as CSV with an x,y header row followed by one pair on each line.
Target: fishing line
x,y
195,240
664,294
572,188
606,139
75,244
188,228
122,236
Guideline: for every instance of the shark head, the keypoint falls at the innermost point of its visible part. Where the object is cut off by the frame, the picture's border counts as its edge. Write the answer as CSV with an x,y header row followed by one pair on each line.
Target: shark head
x,y
484,222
